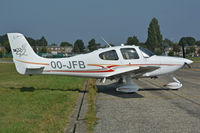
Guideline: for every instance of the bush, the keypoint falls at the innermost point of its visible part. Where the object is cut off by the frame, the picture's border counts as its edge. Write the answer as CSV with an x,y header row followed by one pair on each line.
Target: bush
x,y
171,53
1,54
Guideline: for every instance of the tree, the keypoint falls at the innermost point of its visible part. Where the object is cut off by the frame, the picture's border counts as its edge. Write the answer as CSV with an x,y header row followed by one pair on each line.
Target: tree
x,y
7,46
199,52
54,44
43,50
171,53
176,48
31,41
197,43
3,39
192,49
34,49
132,41
2,51
154,39
65,44
78,47
167,42
92,45
188,51
42,41
186,41
142,44
39,42
5,43
158,51
1,54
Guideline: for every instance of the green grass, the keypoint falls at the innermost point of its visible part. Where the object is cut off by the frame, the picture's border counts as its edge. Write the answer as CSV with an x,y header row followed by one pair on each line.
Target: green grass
x,y
195,59
6,59
40,103
91,119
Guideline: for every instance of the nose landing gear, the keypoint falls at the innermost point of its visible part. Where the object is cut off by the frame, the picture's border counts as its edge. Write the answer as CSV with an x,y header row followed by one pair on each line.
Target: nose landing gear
x,y
174,85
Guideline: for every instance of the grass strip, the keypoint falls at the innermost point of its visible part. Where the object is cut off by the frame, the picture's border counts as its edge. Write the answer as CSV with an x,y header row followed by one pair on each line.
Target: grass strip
x,y
5,59
195,59
36,104
91,119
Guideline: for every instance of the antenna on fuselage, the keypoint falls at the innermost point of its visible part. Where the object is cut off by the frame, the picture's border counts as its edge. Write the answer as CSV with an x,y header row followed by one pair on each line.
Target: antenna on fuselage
x,y
106,42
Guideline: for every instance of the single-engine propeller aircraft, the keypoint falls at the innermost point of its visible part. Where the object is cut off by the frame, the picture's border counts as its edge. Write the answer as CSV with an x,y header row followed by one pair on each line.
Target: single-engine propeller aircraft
x,y
122,63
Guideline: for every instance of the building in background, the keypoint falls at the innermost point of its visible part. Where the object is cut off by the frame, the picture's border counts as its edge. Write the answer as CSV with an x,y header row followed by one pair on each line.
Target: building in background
x,y
53,49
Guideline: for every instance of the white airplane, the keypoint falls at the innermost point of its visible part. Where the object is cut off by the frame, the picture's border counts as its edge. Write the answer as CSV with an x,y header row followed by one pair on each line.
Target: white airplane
x,y
120,62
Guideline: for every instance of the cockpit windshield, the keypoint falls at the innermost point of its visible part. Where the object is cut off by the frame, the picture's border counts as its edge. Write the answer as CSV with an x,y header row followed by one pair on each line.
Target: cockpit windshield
x,y
146,53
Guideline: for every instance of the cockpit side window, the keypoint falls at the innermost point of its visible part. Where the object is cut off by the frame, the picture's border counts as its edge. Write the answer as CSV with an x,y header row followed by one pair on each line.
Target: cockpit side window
x,y
109,55
129,53
146,53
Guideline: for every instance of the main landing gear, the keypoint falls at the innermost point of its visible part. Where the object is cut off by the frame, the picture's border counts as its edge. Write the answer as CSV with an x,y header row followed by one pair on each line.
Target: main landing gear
x,y
128,86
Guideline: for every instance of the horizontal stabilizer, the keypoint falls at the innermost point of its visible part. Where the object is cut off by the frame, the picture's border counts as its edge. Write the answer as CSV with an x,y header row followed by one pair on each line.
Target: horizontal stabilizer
x,y
31,67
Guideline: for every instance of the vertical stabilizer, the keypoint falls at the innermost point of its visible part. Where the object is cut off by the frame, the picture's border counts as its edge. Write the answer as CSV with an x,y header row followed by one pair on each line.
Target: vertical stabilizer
x,y
21,51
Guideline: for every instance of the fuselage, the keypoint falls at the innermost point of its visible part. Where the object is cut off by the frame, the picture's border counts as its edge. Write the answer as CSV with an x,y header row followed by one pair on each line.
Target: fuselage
x,y
102,62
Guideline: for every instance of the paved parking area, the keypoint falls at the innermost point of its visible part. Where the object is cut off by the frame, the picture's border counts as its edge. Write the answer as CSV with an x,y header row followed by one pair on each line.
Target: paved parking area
x,y
152,109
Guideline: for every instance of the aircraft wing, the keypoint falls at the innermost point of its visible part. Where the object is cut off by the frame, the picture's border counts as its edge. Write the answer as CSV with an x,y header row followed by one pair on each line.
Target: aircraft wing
x,y
144,69
136,71
122,70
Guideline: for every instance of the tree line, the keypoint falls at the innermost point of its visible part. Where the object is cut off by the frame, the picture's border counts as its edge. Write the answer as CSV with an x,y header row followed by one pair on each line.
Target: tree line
x,y
78,46
154,42
157,44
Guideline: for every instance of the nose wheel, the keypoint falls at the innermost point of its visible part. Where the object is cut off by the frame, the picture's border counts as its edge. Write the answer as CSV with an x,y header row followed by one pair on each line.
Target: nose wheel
x,y
174,85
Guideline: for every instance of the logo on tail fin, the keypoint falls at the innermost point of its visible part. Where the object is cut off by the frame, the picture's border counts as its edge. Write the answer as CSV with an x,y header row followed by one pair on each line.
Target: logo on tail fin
x,y
20,51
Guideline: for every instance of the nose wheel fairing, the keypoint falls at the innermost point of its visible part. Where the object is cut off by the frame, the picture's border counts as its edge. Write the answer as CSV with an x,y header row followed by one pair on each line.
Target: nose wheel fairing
x,y
174,85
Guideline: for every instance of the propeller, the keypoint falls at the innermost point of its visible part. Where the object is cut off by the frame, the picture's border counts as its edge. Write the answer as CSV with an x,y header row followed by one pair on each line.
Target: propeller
x,y
187,65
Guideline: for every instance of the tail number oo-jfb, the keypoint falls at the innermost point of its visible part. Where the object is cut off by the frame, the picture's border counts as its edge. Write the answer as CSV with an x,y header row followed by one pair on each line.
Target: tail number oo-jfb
x,y
69,65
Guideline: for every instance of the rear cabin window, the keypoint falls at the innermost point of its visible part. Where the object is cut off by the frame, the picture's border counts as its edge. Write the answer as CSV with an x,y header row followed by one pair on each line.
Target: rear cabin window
x,y
129,53
109,55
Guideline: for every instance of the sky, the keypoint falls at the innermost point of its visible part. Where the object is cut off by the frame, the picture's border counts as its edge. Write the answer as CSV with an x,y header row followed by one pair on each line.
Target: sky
x,y
114,20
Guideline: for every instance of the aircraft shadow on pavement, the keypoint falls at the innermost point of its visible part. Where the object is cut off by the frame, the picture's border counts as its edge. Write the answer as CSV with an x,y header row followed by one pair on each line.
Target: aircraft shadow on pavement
x,y
153,89
110,89
31,89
